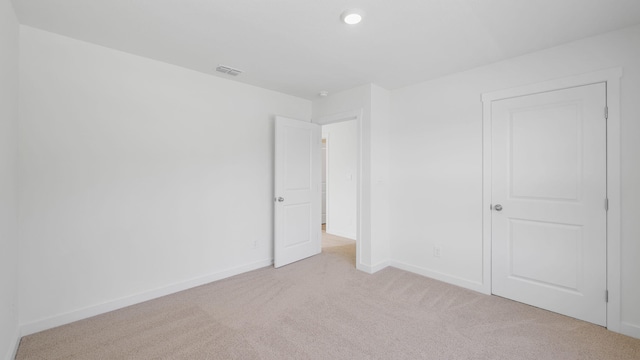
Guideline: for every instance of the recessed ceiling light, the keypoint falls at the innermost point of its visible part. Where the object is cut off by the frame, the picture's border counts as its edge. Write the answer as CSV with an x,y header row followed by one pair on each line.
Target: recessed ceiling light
x,y
323,93
352,17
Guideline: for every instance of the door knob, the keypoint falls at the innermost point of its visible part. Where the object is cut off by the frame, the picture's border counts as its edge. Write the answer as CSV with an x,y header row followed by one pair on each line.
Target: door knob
x,y
498,207
280,199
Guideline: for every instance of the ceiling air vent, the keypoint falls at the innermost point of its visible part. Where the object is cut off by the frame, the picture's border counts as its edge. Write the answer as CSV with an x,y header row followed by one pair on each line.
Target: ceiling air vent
x,y
228,70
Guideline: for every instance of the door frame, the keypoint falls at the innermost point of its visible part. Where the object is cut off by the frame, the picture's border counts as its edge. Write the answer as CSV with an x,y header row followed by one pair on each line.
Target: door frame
x,y
326,180
342,117
612,79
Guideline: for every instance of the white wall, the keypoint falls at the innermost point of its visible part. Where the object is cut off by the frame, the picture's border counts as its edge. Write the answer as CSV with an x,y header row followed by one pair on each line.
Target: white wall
x,y
138,178
342,176
9,54
436,160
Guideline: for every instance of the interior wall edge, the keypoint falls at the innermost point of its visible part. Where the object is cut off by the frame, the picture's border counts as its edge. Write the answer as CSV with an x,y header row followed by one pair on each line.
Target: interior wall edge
x,y
372,269
9,235
15,340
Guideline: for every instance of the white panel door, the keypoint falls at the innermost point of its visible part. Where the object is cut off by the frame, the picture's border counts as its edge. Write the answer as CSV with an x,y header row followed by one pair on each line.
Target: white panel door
x,y
297,191
548,196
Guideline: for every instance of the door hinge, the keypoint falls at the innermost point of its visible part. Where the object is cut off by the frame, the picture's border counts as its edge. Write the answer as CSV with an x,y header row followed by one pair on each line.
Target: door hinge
x,y
606,296
606,112
606,204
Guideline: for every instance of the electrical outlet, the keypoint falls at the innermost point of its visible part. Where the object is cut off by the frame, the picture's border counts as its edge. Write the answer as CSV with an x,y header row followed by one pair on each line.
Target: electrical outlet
x,y
255,244
436,251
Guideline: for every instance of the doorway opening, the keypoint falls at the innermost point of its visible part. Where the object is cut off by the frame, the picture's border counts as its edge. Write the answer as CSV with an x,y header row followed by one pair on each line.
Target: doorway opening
x,y
340,154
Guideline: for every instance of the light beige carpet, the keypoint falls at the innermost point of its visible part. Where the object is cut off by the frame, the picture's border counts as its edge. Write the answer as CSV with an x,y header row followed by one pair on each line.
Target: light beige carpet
x,y
323,308
329,240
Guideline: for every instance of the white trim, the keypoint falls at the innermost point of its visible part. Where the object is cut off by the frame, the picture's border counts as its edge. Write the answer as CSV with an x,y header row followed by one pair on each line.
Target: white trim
x,y
373,269
630,329
454,280
69,317
341,117
614,214
486,195
325,154
612,78
556,84
13,351
326,180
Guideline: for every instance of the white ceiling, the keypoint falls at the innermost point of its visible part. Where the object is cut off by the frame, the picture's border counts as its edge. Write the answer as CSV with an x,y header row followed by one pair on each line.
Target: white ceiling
x,y
300,47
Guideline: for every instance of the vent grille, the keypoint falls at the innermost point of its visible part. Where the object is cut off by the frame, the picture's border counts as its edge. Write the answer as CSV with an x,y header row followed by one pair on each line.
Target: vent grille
x,y
228,70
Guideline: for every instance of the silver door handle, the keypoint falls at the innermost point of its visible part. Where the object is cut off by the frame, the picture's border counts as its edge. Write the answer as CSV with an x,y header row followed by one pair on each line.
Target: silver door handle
x,y
497,207
280,199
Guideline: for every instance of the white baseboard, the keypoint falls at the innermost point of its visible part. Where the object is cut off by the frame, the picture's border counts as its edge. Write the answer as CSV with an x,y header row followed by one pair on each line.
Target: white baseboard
x,y
341,234
11,354
453,280
372,269
69,317
630,330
